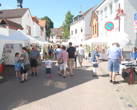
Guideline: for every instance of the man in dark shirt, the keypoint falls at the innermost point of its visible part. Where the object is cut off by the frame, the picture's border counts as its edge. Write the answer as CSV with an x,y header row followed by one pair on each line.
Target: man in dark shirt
x,y
71,51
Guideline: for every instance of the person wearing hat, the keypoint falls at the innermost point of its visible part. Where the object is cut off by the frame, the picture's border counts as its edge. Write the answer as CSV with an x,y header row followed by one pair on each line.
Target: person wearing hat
x,y
114,58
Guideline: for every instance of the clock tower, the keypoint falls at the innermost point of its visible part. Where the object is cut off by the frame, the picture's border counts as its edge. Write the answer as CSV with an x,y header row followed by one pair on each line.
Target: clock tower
x,y
19,3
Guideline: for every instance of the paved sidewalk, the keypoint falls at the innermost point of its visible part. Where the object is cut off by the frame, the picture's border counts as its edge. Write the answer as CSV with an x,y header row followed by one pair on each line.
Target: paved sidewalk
x,y
80,92
130,89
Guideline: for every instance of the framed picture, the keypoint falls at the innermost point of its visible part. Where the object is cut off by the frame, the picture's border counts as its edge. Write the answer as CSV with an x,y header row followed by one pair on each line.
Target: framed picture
x,y
9,46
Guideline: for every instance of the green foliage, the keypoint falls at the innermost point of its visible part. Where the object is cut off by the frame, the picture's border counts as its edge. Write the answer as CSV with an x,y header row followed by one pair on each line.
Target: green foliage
x,y
4,58
49,25
66,24
49,57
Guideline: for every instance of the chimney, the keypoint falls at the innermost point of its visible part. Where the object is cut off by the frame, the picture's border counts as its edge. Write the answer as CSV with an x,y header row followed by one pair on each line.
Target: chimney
x,y
19,3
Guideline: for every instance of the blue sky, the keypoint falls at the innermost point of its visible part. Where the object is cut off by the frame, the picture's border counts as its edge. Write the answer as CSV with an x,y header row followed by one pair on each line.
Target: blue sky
x,y
54,9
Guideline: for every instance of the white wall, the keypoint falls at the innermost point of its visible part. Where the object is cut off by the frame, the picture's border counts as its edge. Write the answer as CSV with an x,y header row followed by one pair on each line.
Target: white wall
x,y
37,31
44,34
87,22
77,25
130,8
109,18
27,20
4,31
54,38
11,31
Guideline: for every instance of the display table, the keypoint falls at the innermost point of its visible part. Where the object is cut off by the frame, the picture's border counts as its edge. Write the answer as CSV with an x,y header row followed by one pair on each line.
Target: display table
x,y
126,65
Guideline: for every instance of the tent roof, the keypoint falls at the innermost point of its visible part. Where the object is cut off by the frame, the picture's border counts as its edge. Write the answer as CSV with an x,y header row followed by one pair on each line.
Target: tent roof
x,y
19,35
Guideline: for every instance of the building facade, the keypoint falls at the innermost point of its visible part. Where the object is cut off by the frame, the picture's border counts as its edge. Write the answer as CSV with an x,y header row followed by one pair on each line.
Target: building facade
x,y
23,20
80,27
56,35
94,25
107,11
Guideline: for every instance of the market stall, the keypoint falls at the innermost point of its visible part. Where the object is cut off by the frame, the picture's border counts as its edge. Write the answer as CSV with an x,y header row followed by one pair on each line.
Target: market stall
x,y
29,41
91,43
8,48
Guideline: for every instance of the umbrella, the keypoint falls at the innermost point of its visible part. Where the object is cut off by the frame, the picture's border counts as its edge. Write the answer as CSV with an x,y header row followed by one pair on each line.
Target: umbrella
x,y
120,38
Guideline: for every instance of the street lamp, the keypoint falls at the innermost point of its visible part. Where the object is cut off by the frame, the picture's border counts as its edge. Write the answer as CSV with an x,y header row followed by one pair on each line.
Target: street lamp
x,y
118,15
0,4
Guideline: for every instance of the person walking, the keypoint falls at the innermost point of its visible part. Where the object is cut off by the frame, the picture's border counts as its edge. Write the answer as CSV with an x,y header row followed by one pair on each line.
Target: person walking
x,y
80,52
48,66
34,56
76,57
71,51
25,62
114,58
95,60
58,53
63,55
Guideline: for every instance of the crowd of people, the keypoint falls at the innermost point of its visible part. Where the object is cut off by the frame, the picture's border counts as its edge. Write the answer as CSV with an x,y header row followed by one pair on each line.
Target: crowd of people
x,y
67,57
23,63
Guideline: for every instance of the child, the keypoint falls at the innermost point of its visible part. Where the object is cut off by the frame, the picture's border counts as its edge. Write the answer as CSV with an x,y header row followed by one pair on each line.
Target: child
x,y
17,66
48,66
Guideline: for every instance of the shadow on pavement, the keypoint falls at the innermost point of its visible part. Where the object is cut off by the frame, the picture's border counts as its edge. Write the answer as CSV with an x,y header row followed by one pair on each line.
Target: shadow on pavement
x,y
14,94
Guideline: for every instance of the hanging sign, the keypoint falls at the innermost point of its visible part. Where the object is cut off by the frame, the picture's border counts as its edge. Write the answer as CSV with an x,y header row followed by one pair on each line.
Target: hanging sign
x,y
135,23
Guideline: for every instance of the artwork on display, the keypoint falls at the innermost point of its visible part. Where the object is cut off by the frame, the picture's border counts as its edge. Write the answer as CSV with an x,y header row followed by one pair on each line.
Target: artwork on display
x,y
103,48
9,46
8,51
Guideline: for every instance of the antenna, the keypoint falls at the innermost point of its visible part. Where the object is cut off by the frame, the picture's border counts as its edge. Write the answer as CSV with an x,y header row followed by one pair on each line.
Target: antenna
x,y
80,9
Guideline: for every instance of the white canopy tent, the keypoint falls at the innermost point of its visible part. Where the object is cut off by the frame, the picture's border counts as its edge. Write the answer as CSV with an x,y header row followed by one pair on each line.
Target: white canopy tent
x,y
98,40
6,40
20,35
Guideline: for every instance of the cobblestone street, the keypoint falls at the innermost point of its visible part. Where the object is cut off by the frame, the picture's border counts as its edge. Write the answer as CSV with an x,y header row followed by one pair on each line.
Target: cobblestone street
x,y
80,92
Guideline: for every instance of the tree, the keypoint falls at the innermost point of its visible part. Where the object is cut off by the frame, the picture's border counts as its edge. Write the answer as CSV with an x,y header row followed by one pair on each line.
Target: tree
x,y
49,25
66,24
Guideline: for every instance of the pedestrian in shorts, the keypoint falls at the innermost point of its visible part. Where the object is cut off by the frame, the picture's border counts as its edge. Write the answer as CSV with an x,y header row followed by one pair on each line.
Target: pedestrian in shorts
x,y
48,66
34,56
17,66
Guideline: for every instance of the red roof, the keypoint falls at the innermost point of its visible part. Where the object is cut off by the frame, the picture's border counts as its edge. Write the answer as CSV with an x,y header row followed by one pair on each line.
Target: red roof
x,y
42,23
11,24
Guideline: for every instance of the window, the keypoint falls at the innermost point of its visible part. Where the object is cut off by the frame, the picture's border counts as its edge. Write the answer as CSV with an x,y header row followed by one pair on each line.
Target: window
x,y
93,30
102,15
28,30
71,32
111,8
75,31
105,12
116,4
81,30
61,32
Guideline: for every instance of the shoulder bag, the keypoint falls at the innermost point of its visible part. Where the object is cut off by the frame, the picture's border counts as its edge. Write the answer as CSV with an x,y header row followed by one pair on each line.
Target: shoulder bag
x,y
61,61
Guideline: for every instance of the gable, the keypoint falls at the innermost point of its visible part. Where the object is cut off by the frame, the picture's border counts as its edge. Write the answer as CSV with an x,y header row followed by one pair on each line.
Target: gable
x,y
93,17
11,24
27,18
